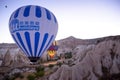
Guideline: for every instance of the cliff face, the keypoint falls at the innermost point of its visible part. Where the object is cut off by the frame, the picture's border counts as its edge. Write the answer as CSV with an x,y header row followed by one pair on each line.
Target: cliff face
x,y
100,60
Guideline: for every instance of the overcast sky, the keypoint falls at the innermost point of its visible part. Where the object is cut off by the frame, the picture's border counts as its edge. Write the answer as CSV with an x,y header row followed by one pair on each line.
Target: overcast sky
x,y
84,19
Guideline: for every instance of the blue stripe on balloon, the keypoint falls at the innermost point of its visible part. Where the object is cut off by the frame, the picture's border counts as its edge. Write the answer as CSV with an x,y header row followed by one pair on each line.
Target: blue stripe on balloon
x,y
21,42
48,14
27,37
38,12
43,43
16,13
26,11
37,38
55,19
18,43
48,44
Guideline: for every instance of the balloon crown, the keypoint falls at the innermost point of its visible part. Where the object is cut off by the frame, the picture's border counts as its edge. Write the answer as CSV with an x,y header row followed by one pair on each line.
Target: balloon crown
x,y
29,11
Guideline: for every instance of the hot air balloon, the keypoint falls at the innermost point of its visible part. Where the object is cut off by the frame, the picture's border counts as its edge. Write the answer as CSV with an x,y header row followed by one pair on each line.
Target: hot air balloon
x,y
33,28
52,50
51,53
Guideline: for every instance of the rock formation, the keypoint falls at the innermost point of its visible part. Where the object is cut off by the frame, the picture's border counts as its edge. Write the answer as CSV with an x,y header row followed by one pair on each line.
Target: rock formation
x,y
12,56
97,61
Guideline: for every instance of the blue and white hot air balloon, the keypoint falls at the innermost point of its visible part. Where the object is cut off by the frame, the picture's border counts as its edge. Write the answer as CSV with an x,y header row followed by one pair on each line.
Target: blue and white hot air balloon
x,y
33,28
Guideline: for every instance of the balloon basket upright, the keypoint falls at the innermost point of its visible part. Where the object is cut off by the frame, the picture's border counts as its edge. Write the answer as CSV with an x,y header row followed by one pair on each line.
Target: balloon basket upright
x,y
34,60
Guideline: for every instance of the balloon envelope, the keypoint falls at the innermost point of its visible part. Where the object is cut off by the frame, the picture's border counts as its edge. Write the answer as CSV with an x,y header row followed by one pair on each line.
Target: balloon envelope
x,y
51,53
52,50
33,28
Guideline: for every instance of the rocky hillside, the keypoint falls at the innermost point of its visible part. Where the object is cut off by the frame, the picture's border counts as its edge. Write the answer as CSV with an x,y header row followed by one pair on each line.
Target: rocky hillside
x,y
98,59
11,55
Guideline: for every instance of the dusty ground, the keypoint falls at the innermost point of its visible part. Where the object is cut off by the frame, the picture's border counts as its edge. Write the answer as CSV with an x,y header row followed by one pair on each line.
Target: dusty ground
x,y
50,62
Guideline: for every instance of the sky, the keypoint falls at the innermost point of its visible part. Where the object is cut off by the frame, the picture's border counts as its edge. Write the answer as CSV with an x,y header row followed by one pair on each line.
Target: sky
x,y
83,19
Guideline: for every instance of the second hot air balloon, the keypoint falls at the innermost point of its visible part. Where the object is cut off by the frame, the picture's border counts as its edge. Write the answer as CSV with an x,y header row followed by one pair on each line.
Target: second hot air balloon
x,y
52,50
33,28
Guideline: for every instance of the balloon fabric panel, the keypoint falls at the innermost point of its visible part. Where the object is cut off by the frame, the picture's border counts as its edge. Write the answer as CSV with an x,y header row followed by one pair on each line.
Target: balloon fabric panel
x,y
27,11
51,53
38,12
37,37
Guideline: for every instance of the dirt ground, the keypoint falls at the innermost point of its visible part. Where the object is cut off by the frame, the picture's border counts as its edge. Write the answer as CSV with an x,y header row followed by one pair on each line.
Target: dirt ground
x,y
50,62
